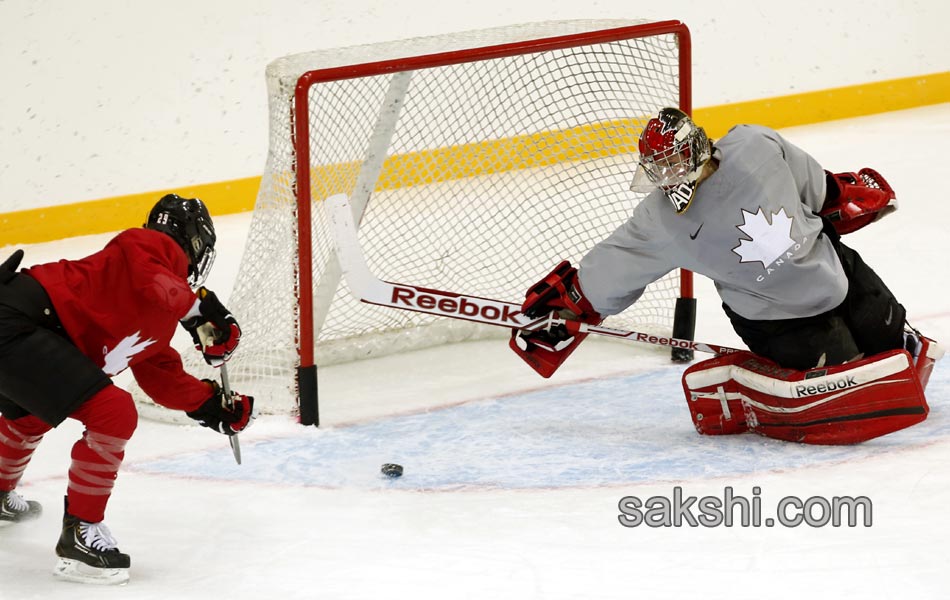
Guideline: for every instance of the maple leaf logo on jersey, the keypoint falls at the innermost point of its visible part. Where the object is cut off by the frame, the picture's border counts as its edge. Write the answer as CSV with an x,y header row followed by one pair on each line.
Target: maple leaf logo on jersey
x,y
117,359
768,240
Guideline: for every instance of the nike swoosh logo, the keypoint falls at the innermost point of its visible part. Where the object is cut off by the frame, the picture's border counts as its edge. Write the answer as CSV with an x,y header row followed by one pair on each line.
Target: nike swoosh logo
x,y
890,313
693,235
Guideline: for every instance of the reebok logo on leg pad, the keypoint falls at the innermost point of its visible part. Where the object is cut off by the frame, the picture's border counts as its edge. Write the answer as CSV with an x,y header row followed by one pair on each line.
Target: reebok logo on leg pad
x,y
843,404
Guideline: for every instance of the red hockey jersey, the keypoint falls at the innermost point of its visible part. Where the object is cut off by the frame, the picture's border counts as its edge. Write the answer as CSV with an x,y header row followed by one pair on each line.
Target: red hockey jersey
x,y
121,305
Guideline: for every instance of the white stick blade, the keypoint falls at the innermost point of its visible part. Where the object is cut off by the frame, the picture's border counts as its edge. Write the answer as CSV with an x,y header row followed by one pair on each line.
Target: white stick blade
x,y
362,283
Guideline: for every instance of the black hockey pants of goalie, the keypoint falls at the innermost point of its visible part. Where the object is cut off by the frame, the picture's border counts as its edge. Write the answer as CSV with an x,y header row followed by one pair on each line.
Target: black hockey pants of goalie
x,y
869,321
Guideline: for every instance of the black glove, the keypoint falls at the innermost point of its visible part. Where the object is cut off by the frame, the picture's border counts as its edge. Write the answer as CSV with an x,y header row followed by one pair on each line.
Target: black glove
x,y
214,330
225,415
10,265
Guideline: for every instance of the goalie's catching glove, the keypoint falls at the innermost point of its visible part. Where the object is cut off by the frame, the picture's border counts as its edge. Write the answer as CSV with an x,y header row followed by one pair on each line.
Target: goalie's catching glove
x,y
225,415
853,200
214,329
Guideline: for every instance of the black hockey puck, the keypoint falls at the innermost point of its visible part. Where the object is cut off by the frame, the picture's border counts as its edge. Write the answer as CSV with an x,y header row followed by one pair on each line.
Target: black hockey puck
x,y
391,470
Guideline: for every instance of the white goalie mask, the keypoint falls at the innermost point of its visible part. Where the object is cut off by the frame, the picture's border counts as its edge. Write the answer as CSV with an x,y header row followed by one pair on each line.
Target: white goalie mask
x,y
673,152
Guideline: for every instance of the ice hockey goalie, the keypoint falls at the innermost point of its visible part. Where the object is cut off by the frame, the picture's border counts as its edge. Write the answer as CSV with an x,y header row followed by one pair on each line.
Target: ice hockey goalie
x,y
842,404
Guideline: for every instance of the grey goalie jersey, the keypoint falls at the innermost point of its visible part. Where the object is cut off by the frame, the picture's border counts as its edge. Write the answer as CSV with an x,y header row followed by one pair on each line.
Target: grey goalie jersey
x,y
751,228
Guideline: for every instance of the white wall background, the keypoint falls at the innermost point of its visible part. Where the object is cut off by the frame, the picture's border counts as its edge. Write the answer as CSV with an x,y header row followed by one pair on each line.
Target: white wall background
x,y
109,97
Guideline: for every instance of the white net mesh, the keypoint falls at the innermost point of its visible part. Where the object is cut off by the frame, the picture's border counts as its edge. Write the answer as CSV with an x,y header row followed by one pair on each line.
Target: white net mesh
x,y
479,176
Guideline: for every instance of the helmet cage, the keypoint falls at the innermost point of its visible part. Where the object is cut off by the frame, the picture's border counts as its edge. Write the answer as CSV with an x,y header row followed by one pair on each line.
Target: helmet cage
x,y
201,261
673,151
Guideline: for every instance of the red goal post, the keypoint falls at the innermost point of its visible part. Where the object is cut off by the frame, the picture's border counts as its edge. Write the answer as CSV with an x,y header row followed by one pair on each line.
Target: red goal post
x,y
475,162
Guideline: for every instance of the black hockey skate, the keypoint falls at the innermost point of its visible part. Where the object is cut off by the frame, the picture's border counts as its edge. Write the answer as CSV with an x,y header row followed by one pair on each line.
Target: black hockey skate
x,y
88,554
13,508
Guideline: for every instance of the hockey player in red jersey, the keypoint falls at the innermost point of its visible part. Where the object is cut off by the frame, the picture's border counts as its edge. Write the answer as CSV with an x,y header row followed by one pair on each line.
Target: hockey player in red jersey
x,y
68,327
763,220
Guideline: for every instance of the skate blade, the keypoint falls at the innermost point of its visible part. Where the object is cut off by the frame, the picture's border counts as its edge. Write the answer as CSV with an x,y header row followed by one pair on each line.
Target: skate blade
x,y
23,518
4,523
68,569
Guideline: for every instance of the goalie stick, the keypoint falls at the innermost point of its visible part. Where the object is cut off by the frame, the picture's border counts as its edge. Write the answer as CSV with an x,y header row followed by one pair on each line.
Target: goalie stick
x,y
368,288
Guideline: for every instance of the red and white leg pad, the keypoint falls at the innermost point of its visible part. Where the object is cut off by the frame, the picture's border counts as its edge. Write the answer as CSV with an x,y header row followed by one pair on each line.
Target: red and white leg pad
x,y
843,404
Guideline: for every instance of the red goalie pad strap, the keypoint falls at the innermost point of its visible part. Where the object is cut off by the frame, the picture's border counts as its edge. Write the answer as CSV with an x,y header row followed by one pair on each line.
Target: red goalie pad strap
x,y
844,404
930,352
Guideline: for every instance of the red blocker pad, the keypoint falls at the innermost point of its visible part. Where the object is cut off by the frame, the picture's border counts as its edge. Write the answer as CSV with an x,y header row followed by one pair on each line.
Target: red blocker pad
x,y
544,362
843,404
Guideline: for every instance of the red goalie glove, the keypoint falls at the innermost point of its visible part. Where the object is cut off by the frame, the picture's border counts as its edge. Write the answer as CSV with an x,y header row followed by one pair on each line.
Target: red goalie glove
x,y
854,200
559,291
545,350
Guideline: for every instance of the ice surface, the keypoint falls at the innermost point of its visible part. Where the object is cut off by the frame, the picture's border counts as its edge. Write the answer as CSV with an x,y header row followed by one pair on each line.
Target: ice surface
x,y
512,483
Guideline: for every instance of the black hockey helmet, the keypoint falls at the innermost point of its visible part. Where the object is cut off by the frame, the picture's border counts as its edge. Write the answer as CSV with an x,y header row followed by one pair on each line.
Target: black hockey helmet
x,y
187,221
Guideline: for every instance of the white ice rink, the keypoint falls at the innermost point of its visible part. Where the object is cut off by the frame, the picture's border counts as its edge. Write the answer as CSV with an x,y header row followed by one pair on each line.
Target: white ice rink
x,y
512,482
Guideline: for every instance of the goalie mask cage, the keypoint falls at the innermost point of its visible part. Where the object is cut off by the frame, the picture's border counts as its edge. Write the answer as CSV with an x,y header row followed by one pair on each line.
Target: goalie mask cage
x,y
473,162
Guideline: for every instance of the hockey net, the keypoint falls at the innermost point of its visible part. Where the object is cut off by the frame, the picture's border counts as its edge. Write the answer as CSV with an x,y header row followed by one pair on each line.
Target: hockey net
x,y
475,162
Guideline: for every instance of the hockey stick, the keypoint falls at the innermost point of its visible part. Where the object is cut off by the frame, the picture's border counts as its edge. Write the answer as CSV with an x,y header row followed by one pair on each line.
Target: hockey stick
x,y
233,439
370,289
207,336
